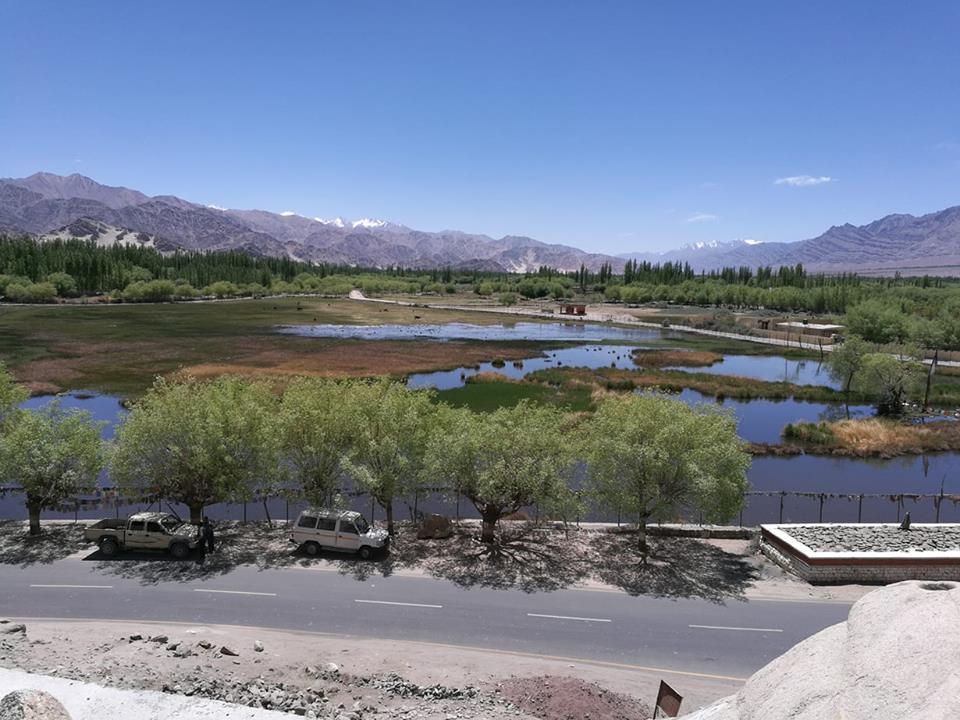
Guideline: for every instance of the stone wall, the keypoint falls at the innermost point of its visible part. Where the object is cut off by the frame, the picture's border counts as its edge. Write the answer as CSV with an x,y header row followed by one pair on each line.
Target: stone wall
x,y
855,567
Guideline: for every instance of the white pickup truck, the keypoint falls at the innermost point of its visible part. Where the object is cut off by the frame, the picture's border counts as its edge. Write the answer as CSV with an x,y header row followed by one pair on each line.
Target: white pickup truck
x,y
144,531
340,530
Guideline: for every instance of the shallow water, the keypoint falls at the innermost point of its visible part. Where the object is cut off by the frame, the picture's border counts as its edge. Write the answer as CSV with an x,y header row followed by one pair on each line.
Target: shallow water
x,y
591,356
761,421
770,368
102,408
549,331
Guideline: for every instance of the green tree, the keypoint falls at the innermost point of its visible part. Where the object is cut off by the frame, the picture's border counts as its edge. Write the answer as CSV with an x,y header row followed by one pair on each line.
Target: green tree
x,y
64,283
846,361
11,394
318,424
51,454
504,460
649,456
891,380
878,322
392,430
199,443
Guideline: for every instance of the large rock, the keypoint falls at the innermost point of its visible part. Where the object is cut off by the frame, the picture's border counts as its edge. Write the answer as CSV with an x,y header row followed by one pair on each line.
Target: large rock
x,y
32,705
896,656
434,527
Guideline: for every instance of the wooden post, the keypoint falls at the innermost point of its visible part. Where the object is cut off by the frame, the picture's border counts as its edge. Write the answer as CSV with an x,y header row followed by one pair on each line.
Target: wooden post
x,y
781,507
821,508
860,508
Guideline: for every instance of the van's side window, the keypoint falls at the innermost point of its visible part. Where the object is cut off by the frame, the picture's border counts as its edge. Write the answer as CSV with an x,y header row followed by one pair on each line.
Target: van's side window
x,y
329,524
307,521
348,527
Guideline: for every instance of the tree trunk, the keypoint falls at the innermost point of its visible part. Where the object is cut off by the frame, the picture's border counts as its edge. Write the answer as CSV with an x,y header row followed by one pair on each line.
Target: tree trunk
x,y
642,536
489,525
34,512
388,506
196,513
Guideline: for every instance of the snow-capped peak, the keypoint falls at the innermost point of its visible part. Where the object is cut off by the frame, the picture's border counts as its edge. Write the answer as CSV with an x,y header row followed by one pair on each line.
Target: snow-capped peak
x,y
750,241
287,213
368,223
336,222
216,207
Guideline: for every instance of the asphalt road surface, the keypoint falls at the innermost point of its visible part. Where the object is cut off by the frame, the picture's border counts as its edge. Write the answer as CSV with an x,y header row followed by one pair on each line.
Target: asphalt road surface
x,y
695,636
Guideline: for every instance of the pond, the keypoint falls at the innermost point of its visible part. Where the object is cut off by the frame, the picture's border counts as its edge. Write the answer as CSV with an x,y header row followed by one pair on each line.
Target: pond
x,y
772,369
546,331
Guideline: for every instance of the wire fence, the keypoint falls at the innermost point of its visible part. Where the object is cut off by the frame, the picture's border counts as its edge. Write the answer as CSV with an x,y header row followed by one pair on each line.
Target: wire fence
x,y
759,506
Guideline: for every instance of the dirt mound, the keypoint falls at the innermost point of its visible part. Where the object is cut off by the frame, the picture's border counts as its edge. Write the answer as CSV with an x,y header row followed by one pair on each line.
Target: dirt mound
x,y
566,698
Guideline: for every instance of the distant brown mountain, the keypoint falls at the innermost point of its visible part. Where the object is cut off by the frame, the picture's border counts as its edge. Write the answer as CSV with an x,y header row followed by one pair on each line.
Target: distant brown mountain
x,y
49,205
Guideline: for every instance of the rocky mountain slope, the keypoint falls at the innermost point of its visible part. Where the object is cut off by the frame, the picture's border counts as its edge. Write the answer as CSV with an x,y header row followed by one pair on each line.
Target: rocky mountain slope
x,y
48,205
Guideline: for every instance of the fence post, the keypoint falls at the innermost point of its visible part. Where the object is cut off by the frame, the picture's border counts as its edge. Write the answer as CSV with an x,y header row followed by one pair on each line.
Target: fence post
x,y
781,508
416,503
287,510
244,512
458,509
741,515
821,509
938,501
860,509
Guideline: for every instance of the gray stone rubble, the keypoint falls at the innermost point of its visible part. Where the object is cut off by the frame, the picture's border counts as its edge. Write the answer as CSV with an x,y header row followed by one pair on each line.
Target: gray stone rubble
x,y
877,538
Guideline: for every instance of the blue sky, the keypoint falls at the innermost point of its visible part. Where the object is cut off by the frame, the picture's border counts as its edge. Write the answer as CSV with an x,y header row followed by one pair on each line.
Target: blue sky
x,y
614,126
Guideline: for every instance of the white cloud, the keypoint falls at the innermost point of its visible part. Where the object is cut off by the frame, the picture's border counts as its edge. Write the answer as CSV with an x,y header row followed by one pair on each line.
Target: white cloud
x,y
708,185
804,180
949,145
702,218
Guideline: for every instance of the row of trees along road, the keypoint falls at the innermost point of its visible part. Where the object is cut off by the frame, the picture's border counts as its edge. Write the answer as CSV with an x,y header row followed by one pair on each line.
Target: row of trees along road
x,y
234,439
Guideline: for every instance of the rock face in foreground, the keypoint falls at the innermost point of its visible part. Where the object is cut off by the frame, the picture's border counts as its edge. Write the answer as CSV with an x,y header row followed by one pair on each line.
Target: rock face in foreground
x,y
31,705
896,656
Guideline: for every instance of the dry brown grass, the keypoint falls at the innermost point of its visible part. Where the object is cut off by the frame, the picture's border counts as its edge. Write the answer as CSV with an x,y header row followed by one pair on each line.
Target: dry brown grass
x,y
866,437
355,358
877,436
675,358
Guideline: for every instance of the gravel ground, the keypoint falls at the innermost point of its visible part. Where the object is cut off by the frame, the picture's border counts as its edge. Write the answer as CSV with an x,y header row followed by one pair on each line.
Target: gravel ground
x,y
327,677
877,538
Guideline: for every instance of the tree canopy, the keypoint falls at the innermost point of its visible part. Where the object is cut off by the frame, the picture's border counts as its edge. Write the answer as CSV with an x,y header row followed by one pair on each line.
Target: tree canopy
x,y
649,456
199,443
51,454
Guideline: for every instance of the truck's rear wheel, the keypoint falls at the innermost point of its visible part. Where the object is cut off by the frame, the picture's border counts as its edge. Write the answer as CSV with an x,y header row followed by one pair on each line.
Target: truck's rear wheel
x,y
180,550
365,552
311,549
109,547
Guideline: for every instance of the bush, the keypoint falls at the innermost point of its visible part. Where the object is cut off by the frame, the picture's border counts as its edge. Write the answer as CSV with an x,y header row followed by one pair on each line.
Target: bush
x,y
151,291
65,284
31,292
508,298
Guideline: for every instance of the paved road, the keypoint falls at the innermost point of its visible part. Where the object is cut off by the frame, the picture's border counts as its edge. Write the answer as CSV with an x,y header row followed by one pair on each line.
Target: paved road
x,y
687,635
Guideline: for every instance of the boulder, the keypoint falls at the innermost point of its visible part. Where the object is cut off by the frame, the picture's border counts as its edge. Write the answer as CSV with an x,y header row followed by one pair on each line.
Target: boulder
x,y
31,705
13,629
434,527
894,657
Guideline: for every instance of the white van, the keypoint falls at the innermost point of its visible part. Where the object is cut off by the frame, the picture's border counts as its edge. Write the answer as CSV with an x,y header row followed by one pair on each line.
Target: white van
x,y
342,530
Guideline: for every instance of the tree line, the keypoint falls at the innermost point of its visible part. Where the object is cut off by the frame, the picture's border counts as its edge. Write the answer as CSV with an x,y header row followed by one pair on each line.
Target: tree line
x,y
233,439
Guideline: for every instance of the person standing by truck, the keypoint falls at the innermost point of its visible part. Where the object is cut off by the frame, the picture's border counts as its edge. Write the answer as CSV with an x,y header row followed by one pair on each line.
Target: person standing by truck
x,y
207,537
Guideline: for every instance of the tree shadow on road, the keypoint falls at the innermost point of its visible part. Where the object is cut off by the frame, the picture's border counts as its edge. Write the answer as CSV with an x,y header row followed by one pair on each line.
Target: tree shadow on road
x,y
524,558
56,542
675,567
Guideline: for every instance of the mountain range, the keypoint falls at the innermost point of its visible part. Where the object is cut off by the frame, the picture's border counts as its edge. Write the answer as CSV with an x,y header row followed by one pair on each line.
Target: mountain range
x,y
47,206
